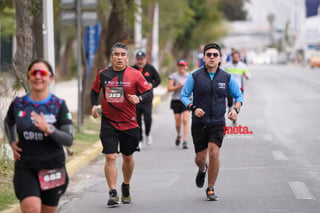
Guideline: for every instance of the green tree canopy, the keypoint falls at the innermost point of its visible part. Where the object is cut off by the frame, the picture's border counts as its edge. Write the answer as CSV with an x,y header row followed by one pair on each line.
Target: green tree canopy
x,y
7,19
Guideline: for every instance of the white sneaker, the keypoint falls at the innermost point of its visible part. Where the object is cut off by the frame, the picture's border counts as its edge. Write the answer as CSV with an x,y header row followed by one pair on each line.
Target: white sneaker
x,y
141,144
149,140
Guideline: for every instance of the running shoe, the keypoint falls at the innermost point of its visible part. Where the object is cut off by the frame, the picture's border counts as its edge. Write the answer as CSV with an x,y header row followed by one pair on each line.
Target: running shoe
x,y
201,177
178,140
184,145
149,140
126,198
211,196
113,198
141,145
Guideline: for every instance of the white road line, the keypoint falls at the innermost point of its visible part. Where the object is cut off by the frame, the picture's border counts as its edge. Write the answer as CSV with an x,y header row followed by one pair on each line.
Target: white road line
x,y
300,190
278,155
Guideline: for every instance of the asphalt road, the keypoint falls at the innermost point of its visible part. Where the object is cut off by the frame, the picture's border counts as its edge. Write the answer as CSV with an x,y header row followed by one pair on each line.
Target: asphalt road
x,y
276,169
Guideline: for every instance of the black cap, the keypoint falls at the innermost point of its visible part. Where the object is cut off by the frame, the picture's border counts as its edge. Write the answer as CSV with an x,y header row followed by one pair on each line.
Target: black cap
x,y
140,54
212,46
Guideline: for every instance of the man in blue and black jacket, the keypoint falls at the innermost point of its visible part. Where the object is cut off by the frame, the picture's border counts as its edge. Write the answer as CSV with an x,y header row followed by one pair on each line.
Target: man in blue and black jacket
x,y
209,86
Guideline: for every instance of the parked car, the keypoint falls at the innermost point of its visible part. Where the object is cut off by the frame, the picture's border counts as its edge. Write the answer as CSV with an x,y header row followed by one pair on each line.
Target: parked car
x,y
314,60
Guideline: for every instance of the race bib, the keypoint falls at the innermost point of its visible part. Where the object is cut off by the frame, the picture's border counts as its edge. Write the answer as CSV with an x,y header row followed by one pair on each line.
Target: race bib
x,y
114,94
52,178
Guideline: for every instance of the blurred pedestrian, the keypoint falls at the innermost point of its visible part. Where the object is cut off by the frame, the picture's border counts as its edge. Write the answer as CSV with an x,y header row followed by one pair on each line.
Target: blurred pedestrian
x,y
239,71
229,56
176,82
144,108
200,56
43,124
119,128
209,86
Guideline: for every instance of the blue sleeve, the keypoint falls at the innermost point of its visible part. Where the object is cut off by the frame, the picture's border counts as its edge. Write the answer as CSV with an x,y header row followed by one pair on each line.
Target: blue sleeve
x,y
234,90
187,91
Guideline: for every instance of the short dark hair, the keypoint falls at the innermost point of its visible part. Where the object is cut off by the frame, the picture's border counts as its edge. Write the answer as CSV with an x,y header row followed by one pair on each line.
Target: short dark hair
x,y
40,60
235,52
212,46
119,45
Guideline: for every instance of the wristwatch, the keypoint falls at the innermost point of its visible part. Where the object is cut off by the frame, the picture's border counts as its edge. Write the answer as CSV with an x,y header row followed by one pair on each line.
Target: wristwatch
x,y
50,129
236,109
140,98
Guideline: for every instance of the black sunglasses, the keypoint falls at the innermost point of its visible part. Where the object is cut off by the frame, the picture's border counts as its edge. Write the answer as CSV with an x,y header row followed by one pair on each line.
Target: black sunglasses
x,y
212,54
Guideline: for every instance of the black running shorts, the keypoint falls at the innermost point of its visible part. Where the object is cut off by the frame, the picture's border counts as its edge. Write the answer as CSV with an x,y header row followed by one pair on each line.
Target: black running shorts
x,y
112,137
202,135
26,184
177,106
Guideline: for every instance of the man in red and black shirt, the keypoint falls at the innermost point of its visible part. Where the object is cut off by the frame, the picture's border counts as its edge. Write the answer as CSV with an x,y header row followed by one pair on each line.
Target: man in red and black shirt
x,y
120,85
145,106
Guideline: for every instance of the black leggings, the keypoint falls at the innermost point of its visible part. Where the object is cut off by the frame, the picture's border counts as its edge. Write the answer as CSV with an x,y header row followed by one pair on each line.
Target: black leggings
x,y
144,109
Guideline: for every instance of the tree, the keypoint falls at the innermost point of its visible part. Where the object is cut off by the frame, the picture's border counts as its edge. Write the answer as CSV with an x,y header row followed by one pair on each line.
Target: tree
x,y
271,18
233,10
196,22
29,37
118,24
7,19
25,41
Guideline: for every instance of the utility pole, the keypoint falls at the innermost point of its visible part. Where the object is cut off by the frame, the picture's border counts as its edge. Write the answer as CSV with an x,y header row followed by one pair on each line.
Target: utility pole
x,y
48,36
155,37
138,26
79,60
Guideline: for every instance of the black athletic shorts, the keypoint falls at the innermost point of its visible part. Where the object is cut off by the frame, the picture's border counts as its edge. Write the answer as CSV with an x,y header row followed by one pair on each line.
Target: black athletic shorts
x,y
26,184
202,135
177,106
111,138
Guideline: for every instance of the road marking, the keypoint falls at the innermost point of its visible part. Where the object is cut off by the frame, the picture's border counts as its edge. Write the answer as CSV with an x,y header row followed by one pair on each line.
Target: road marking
x,y
278,155
301,191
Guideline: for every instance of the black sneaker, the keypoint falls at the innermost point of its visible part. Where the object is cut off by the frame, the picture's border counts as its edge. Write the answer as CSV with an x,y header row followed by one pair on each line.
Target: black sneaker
x,y
113,198
178,140
184,145
211,196
200,177
126,198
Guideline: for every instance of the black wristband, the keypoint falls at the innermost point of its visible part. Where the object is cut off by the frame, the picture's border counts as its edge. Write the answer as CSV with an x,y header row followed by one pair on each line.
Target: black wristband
x,y
192,107
236,109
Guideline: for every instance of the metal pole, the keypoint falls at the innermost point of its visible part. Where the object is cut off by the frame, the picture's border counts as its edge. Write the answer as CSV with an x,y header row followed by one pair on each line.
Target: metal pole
x,y
155,37
138,26
79,64
48,36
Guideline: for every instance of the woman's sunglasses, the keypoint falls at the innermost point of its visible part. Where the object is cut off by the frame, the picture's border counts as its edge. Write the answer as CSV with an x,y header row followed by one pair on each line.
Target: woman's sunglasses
x,y
212,54
43,73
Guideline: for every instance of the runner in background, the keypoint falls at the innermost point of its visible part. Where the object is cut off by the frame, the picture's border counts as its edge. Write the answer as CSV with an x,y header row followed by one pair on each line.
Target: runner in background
x,y
176,82
239,71
144,108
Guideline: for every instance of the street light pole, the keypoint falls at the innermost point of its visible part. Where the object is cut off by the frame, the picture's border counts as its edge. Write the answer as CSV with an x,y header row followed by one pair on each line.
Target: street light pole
x,y
79,60
48,36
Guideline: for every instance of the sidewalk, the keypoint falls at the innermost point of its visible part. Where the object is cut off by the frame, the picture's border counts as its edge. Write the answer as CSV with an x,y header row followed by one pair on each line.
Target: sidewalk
x,y
68,91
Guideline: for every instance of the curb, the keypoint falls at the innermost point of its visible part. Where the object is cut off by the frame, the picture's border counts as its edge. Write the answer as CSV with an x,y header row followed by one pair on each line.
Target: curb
x,y
83,159
80,161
